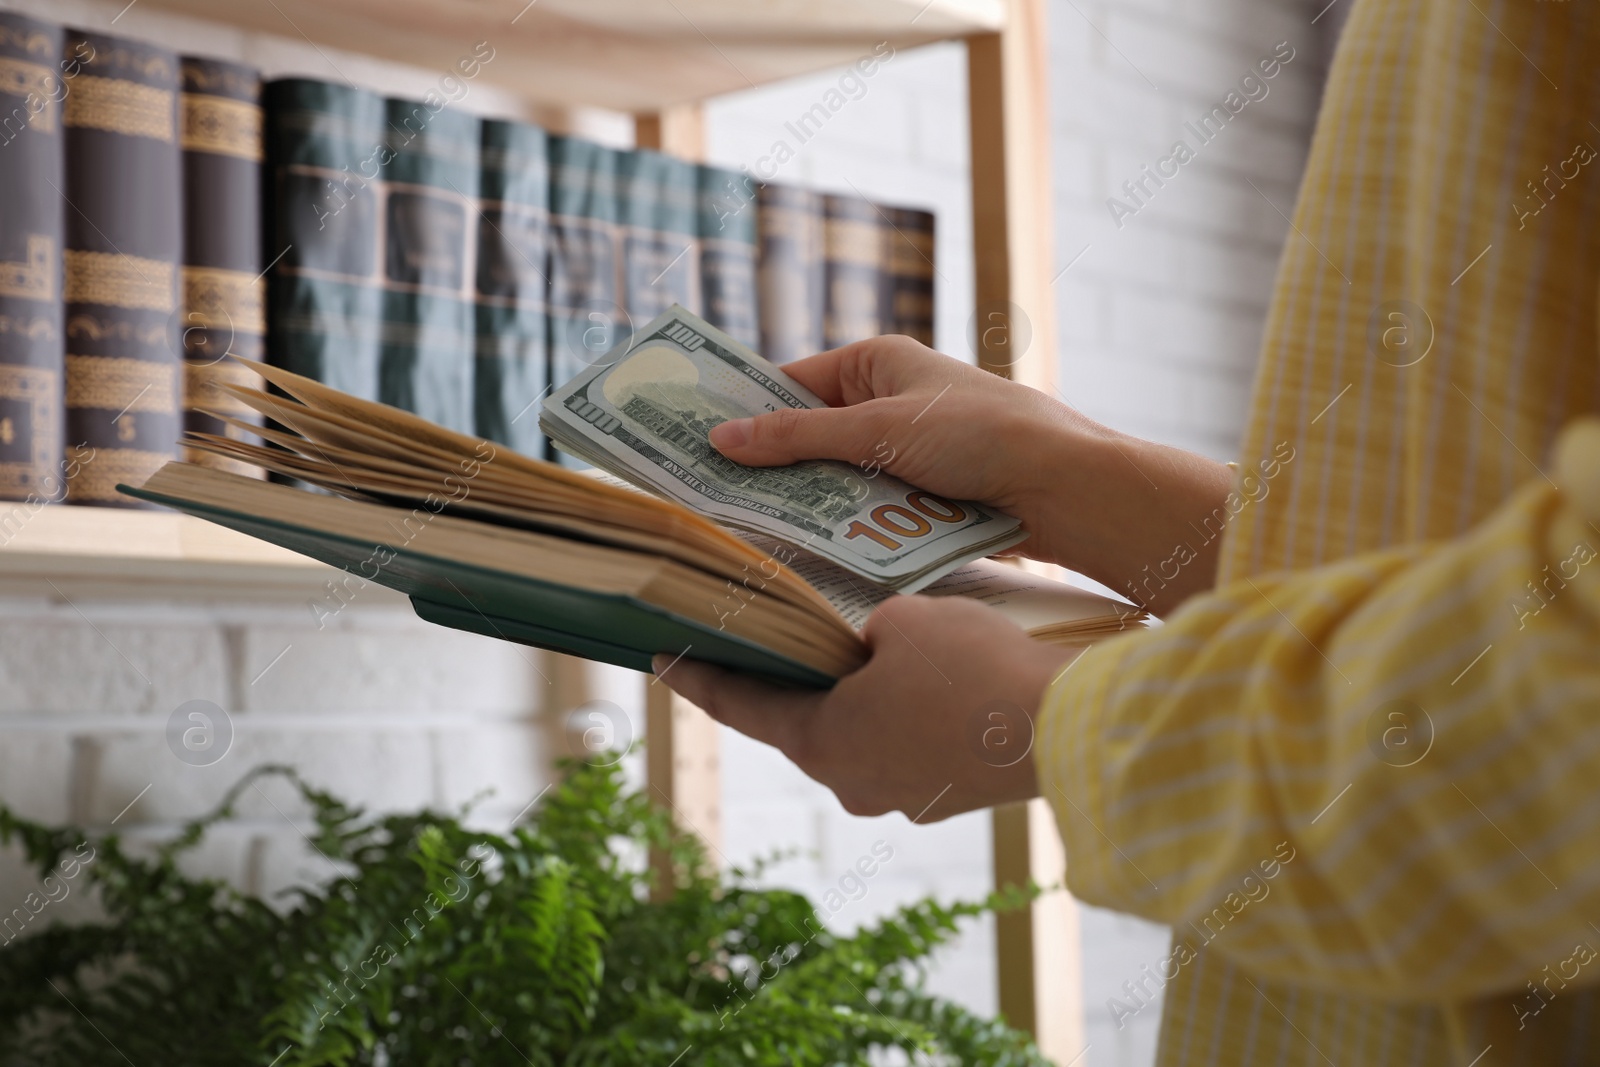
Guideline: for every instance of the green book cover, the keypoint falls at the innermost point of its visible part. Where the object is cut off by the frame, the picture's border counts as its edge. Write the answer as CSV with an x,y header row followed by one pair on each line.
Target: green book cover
x,y
611,628
372,205
659,210
429,197
513,271
727,224
325,152
587,317
789,271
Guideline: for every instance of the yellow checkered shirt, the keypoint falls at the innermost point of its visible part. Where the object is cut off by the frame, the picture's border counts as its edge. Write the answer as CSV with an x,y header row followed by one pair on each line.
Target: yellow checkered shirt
x,y
1361,778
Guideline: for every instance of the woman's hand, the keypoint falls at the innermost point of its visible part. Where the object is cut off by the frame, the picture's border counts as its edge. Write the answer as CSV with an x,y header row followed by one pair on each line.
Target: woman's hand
x,y
1090,499
937,722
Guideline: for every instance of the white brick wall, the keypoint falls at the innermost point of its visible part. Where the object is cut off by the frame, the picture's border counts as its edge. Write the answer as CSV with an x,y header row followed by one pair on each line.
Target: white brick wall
x,y
383,709
1158,325
1161,318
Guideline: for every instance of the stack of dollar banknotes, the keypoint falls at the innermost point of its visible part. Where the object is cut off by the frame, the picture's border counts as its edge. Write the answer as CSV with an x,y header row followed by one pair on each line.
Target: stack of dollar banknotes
x,y
668,547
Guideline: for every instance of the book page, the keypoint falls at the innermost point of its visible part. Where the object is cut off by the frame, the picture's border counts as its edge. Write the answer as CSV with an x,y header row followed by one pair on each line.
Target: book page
x,y
1030,601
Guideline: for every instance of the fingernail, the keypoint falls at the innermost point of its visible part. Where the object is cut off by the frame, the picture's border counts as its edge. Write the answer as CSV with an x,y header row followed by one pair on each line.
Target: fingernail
x,y
659,662
731,434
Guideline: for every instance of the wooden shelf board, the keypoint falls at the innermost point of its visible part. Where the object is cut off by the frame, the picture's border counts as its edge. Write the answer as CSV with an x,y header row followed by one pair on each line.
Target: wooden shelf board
x,y
628,55
118,550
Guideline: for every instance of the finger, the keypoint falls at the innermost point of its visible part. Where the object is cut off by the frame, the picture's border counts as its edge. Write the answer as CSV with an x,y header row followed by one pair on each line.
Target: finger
x,y
793,434
843,375
768,713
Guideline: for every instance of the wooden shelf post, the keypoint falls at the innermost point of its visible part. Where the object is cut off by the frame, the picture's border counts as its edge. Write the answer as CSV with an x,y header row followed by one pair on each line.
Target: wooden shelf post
x,y
682,761
1038,962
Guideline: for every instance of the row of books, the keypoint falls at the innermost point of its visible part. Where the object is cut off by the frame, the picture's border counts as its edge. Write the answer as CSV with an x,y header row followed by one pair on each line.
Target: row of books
x,y
162,211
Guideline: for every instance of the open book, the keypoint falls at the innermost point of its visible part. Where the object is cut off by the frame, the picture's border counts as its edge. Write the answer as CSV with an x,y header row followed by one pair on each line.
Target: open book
x,y
487,540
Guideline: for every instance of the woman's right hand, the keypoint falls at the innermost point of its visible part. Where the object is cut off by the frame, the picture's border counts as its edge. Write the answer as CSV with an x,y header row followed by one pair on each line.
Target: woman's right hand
x,y
953,429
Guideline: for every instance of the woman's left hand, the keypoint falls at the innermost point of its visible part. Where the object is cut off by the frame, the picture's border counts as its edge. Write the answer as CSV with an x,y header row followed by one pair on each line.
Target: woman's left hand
x,y
937,722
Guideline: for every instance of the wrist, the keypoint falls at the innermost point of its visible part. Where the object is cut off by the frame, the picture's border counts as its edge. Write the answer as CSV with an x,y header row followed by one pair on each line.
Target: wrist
x,y
1033,670
1163,534
1130,513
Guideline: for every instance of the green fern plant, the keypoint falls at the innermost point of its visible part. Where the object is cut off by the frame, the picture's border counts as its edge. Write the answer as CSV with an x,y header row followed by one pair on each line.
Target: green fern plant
x,y
440,945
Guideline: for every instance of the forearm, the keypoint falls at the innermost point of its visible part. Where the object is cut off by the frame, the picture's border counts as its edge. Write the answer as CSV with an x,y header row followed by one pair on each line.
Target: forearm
x,y
1134,515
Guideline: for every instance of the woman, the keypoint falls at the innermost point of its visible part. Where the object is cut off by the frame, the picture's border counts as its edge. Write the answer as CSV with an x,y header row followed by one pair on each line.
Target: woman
x,y
1356,768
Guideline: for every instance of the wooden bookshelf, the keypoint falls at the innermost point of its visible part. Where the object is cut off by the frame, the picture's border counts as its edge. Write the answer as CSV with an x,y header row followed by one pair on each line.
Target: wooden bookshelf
x,y
626,55
658,59
127,551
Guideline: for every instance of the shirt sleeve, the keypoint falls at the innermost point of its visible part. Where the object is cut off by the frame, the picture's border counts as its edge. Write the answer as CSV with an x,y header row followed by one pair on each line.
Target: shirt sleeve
x,y
1381,776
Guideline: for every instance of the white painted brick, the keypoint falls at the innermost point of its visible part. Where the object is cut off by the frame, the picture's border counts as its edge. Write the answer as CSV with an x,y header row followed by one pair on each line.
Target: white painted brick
x,y
66,662
1082,311
1264,150
418,667
966,971
64,900
1118,946
1204,333
1239,273
36,774
1071,38
1077,226
223,853
1153,8
1221,205
382,770
282,860
1178,57
856,171
1249,24
1118,107
511,763
1089,380
1141,257
892,891
751,769
878,116
757,831
952,848
939,106
1078,169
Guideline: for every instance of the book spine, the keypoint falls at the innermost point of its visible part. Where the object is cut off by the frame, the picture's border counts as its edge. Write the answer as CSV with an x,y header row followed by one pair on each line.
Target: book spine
x,y
587,316
428,202
659,207
512,373
790,271
32,88
855,255
728,234
224,295
908,235
123,246
325,152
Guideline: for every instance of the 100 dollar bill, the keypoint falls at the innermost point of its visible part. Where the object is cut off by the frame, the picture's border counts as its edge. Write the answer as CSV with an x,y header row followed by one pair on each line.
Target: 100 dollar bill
x,y
645,415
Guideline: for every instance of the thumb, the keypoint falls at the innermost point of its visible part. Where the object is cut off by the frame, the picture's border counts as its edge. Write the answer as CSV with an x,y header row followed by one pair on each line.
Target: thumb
x,y
794,434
